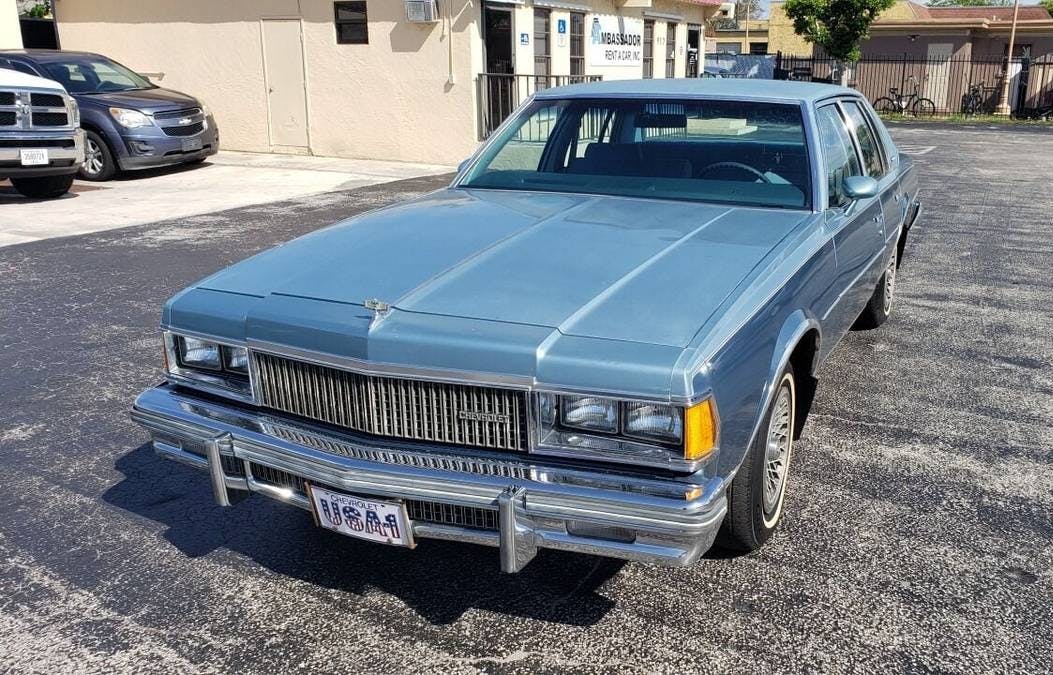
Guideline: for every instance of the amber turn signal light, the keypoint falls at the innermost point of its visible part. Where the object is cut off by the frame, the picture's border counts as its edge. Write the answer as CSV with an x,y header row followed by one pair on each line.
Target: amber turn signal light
x,y
700,427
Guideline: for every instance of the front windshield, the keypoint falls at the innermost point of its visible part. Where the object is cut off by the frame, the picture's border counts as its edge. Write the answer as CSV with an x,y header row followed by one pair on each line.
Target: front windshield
x,y
736,152
95,76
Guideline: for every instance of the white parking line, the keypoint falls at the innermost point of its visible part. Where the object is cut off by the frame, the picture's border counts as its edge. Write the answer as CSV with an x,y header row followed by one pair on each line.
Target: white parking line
x,y
916,150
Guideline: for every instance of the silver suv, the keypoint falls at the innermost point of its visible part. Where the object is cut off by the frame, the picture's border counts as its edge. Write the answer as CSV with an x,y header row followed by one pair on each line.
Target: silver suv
x,y
41,144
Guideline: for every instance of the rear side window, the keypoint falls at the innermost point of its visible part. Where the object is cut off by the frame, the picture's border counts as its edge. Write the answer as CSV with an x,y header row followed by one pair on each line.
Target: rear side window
x,y
838,152
868,144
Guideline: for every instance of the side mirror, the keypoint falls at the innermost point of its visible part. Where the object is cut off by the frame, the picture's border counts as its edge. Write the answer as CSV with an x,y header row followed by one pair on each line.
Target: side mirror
x,y
463,165
860,187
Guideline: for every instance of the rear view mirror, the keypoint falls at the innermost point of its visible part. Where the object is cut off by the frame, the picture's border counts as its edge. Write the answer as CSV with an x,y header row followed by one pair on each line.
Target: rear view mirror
x,y
463,165
860,187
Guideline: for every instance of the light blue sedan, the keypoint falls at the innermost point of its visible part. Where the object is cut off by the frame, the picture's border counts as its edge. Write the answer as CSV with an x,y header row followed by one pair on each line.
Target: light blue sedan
x,y
603,337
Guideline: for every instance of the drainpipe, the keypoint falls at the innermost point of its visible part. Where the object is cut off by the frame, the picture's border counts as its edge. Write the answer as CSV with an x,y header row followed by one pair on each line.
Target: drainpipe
x,y
1003,100
449,40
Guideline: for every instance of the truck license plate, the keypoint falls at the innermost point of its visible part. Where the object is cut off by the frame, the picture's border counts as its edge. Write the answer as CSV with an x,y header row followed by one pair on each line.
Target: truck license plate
x,y
375,520
33,156
192,144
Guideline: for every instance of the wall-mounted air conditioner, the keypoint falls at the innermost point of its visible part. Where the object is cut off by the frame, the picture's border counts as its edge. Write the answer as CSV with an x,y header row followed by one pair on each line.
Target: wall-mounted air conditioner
x,y
726,10
422,11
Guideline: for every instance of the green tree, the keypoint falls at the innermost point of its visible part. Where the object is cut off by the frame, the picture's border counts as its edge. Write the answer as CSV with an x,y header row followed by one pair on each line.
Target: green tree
x,y
835,25
743,9
1048,4
970,3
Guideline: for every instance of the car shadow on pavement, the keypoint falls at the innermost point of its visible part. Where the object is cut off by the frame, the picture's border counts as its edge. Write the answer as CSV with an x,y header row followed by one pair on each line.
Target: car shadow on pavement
x,y
167,170
439,580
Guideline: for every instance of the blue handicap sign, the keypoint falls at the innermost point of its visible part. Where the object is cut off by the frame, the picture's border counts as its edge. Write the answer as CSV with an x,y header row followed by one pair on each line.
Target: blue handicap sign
x,y
561,26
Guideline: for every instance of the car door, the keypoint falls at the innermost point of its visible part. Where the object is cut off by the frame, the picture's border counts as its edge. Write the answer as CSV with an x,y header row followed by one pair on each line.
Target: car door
x,y
855,225
876,165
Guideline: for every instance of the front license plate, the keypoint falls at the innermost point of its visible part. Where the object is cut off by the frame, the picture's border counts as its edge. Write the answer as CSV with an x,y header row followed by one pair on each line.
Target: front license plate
x,y
33,156
192,144
375,520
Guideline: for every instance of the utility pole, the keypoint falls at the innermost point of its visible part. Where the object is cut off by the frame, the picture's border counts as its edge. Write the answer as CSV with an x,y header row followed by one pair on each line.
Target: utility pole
x,y
1003,100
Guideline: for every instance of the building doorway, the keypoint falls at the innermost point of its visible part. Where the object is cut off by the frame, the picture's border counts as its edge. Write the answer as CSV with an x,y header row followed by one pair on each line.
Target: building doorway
x,y
286,86
694,40
497,38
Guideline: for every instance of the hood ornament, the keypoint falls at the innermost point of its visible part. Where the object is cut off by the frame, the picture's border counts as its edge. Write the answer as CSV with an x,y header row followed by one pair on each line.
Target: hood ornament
x,y
379,309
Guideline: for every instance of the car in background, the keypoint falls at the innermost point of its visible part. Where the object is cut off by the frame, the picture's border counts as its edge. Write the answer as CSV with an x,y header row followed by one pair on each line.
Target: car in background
x,y
41,145
129,122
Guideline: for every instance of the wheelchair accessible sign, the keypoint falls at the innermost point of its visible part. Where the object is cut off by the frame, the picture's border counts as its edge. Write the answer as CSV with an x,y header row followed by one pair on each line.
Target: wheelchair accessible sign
x,y
616,41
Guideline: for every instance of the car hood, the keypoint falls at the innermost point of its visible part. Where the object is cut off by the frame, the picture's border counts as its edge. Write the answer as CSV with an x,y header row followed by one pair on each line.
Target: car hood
x,y
151,100
634,270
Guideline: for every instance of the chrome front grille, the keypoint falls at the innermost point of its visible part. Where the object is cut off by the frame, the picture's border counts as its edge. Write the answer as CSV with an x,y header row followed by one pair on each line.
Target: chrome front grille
x,y
474,517
457,414
33,110
176,114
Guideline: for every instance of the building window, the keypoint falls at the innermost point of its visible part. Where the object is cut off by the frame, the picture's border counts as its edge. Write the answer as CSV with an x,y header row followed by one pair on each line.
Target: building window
x,y
351,26
542,53
577,43
670,50
759,48
648,48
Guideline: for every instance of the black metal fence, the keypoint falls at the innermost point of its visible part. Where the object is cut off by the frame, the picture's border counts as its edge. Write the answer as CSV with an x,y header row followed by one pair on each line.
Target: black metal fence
x,y
945,82
499,94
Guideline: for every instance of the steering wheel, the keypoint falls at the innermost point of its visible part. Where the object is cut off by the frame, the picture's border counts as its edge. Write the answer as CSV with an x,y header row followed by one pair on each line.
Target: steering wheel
x,y
737,166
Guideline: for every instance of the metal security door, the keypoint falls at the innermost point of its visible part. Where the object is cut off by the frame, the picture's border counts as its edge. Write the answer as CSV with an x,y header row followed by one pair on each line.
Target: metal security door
x,y
285,82
937,73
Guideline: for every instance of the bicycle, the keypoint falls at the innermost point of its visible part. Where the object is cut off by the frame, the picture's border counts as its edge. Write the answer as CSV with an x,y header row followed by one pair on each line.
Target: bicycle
x,y
972,103
901,104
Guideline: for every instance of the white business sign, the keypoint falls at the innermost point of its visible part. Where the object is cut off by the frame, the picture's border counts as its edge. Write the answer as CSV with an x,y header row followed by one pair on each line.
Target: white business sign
x,y
615,41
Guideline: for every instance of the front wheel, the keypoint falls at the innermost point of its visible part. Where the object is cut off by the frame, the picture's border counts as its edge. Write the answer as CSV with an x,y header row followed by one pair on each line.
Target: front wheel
x,y
43,187
758,490
923,107
886,105
99,164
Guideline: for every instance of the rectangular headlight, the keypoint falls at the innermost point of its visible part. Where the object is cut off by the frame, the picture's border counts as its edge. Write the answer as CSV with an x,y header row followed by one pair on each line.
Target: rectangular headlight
x,y
591,413
654,421
236,360
195,353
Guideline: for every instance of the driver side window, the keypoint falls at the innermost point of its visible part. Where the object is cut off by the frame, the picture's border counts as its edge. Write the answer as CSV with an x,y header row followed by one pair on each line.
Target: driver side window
x,y
838,153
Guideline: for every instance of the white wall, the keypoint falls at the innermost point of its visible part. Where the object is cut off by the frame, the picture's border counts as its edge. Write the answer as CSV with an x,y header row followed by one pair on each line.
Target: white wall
x,y
10,33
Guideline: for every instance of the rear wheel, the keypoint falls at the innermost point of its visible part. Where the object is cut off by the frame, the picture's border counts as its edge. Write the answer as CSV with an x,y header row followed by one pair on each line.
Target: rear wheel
x,y
923,107
43,187
879,308
756,495
886,105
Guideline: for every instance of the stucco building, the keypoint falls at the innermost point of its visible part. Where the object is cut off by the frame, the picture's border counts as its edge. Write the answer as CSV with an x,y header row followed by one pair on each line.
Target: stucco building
x,y
10,33
394,79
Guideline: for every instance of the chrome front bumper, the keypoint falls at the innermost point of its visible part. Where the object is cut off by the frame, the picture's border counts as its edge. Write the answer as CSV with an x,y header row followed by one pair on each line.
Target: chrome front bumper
x,y
664,521
60,158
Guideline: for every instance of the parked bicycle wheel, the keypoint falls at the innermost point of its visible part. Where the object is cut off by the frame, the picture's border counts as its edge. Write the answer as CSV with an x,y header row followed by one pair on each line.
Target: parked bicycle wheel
x,y
886,105
923,107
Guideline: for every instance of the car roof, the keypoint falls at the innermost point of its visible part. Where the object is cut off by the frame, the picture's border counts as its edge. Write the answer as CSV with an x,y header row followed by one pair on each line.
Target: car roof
x,y
736,88
48,55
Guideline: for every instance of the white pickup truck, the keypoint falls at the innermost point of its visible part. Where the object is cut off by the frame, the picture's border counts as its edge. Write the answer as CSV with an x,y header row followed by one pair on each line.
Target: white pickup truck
x,y
41,143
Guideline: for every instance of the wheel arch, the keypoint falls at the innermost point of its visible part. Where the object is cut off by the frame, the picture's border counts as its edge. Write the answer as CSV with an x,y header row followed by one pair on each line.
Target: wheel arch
x,y
798,345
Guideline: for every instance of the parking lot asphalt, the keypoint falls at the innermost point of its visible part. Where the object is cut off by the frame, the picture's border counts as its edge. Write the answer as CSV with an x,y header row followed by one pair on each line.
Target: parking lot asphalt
x,y
224,181
918,533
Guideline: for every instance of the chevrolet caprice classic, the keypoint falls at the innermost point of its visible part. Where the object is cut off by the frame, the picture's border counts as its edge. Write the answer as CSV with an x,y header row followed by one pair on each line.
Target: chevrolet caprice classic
x,y
602,337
